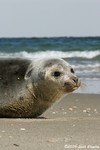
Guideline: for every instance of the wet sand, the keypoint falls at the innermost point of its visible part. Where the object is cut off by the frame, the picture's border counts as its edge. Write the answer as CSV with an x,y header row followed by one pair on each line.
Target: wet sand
x,y
73,123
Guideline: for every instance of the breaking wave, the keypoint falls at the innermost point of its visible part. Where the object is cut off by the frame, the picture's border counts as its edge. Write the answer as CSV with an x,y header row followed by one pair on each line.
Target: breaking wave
x,y
57,54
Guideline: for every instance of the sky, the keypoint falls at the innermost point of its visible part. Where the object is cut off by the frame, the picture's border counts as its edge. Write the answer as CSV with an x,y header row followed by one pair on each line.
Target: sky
x,y
49,18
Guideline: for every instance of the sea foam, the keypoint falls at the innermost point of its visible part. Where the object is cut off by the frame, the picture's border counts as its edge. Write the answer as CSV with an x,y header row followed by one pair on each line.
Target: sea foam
x,y
58,54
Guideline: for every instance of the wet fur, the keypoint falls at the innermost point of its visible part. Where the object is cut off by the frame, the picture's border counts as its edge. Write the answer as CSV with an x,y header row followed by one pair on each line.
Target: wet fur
x,y
17,98
27,88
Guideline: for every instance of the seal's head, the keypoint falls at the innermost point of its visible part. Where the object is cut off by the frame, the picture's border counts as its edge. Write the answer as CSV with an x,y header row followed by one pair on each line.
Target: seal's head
x,y
53,74
62,74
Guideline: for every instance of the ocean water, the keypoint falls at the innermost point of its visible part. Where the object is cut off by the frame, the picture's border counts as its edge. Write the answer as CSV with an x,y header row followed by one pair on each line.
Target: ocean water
x,y
83,53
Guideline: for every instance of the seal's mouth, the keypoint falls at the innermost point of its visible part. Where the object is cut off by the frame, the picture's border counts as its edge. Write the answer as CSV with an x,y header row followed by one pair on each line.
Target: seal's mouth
x,y
71,86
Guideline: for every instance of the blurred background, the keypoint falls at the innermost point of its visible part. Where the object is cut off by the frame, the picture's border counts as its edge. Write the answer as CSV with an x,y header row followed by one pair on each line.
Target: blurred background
x,y
68,29
83,53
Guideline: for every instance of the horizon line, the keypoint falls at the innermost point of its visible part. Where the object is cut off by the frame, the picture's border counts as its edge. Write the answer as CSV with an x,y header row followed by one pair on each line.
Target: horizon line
x,y
50,37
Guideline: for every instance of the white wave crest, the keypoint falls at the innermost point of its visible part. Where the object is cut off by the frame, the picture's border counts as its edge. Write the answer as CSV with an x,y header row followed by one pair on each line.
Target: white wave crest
x,y
88,66
57,54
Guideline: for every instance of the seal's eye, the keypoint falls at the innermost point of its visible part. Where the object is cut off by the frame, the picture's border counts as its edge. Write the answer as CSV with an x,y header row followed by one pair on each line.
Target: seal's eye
x,y
57,74
72,70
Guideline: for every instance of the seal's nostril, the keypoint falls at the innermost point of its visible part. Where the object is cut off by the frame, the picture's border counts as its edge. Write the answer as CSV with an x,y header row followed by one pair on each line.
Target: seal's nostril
x,y
75,79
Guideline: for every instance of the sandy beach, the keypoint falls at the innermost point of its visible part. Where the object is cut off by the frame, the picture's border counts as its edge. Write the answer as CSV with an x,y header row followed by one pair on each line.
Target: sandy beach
x,y
73,123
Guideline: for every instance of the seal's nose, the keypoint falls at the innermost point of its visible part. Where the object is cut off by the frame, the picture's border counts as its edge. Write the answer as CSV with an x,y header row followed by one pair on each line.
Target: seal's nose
x,y
75,79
